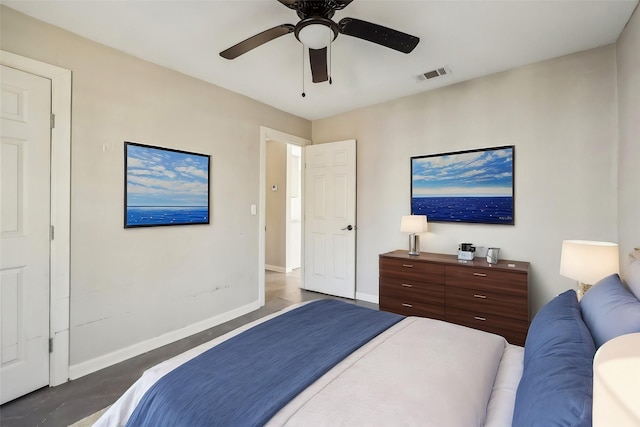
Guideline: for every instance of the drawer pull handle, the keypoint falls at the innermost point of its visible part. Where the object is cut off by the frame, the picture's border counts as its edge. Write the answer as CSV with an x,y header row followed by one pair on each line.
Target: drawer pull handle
x,y
480,274
480,296
408,265
404,304
407,285
482,319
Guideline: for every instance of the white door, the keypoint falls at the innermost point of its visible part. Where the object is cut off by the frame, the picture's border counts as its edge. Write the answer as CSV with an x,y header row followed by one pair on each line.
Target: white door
x,y
24,252
330,218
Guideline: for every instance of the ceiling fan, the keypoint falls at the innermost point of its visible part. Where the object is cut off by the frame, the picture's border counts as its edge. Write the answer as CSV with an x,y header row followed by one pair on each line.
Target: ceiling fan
x,y
316,31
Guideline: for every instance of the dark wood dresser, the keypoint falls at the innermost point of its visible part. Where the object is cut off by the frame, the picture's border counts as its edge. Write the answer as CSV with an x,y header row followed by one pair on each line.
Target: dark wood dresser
x,y
490,297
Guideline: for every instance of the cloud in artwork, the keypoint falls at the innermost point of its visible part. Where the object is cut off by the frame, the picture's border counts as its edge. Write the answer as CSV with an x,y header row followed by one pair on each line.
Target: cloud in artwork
x,y
157,177
193,171
481,172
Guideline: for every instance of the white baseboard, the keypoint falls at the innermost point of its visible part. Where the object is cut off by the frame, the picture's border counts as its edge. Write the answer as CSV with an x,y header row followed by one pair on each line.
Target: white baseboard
x,y
367,297
277,268
101,362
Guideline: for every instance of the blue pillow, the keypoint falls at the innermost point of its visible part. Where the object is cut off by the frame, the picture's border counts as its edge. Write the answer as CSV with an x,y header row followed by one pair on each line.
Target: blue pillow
x,y
557,382
610,310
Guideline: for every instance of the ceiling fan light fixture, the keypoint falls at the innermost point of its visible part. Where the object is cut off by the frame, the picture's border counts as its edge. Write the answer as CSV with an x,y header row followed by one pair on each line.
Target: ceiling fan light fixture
x,y
315,36
316,33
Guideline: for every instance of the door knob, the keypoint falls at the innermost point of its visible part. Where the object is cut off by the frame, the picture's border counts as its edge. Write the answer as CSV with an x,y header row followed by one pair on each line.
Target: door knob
x,y
348,227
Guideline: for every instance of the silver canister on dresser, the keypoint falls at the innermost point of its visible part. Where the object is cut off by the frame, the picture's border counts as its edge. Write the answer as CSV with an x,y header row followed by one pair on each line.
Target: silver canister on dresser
x,y
492,255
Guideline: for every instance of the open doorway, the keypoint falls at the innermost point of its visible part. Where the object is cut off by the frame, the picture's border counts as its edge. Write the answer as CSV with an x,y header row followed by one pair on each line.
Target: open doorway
x,y
283,220
281,208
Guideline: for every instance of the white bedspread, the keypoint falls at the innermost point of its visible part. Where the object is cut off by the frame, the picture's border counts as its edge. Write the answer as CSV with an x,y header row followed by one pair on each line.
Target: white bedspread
x,y
420,372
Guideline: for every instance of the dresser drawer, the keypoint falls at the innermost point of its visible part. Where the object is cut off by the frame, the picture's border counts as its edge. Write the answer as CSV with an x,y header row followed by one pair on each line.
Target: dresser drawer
x,y
403,288
515,331
412,308
412,298
480,301
485,279
412,270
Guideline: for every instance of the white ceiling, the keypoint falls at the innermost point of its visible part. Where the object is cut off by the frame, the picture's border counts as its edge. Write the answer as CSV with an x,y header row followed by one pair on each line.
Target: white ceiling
x,y
472,38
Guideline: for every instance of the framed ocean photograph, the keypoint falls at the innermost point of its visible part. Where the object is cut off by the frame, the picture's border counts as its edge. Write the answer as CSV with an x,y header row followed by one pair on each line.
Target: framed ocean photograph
x,y
473,186
165,186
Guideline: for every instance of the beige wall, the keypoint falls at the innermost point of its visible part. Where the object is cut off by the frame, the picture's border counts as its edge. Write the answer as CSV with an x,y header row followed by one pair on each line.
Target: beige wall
x,y
560,115
276,207
628,66
128,286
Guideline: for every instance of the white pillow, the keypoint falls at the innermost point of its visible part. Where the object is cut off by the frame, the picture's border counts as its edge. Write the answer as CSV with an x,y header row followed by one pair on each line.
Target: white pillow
x,y
632,276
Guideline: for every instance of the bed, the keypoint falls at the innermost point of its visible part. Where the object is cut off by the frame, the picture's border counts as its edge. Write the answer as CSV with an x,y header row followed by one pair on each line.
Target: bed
x,y
398,371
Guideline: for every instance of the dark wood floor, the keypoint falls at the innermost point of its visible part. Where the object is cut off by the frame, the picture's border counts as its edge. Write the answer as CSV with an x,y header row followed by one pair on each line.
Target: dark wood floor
x,y
65,404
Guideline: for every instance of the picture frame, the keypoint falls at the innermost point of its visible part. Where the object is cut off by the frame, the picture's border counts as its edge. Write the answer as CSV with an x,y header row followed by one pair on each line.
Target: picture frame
x,y
471,186
165,186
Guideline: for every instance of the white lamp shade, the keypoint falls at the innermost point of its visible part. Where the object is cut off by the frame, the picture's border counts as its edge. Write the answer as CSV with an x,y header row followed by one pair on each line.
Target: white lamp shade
x,y
616,382
315,36
413,224
587,261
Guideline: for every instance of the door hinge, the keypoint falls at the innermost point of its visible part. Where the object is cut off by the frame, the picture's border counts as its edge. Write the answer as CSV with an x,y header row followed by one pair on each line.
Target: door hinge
x,y
53,121
52,232
50,345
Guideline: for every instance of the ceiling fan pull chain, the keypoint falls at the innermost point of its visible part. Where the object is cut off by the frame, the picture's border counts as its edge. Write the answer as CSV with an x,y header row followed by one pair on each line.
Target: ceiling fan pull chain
x,y
303,94
330,79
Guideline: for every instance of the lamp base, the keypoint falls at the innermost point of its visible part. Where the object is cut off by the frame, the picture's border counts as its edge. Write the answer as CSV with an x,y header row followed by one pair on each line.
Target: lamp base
x,y
414,244
582,289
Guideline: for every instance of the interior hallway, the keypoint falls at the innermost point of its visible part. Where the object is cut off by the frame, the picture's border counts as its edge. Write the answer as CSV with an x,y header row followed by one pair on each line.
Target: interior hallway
x,y
285,286
70,402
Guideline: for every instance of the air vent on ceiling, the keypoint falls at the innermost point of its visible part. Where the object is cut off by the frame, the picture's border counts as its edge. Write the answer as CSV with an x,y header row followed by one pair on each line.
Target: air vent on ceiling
x,y
434,73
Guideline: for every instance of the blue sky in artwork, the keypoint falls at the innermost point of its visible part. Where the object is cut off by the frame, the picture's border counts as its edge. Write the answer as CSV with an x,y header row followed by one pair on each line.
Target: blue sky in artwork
x,y
479,174
157,177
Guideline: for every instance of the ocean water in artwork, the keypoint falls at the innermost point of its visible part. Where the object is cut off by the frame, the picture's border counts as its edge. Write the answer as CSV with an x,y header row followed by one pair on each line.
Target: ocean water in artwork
x,y
166,215
486,210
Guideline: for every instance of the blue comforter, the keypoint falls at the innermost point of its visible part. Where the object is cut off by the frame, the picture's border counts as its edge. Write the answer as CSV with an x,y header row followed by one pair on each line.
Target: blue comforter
x,y
245,380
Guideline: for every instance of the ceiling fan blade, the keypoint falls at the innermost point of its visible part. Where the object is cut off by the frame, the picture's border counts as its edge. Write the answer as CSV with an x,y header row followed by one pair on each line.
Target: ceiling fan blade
x,y
289,3
375,33
340,4
257,40
318,60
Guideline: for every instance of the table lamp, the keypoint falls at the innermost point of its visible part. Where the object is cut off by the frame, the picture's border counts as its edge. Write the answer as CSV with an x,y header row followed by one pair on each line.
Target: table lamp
x,y
616,382
414,224
587,262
